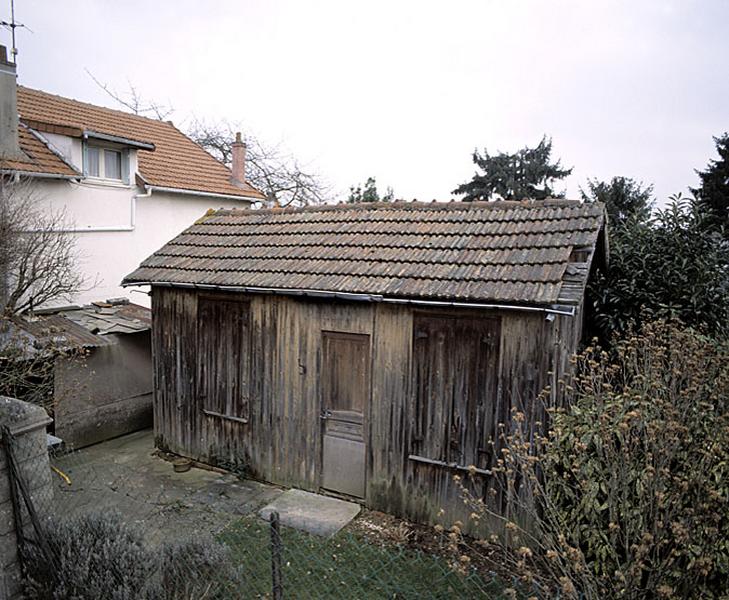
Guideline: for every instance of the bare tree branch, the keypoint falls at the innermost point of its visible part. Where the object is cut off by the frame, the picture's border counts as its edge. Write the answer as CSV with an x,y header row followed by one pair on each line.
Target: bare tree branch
x,y
134,102
271,169
37,260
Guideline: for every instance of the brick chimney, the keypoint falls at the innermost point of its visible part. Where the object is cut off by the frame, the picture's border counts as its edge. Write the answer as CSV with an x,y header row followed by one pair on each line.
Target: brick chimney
x,y
9,147
238,168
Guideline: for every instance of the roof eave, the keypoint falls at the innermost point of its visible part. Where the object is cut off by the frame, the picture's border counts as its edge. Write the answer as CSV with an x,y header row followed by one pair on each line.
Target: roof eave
x,y
41,175
362,297
140,145
172,190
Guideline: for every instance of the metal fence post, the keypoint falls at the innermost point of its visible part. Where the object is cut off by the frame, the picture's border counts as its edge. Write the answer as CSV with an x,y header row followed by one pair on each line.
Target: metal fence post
x,y
276,551
18,483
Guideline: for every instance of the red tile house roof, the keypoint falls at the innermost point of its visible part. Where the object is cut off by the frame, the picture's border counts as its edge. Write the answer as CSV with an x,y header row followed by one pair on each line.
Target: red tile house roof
x,y
503,252
39,157
175,162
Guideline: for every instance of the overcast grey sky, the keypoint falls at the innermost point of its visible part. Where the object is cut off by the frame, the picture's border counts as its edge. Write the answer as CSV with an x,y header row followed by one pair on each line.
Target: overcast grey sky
x,y
406,90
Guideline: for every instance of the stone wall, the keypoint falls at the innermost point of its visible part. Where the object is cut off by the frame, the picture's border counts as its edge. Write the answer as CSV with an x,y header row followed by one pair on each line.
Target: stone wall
x,y
27,423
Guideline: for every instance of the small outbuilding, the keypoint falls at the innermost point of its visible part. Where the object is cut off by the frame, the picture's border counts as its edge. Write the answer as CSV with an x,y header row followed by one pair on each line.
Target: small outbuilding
x,y
367,350
95,367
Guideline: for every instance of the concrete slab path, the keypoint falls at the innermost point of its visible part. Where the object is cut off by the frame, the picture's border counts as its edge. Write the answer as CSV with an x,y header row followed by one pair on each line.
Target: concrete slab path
x,y
126,476
313,513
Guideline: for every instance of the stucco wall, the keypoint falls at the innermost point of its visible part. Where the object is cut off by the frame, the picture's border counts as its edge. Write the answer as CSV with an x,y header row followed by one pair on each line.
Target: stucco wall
x,y
70,148
105,257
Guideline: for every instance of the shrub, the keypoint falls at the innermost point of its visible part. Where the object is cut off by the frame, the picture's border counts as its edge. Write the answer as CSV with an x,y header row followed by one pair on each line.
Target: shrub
x,y
639,466
192,570
631,485
98,556
672,265
95,556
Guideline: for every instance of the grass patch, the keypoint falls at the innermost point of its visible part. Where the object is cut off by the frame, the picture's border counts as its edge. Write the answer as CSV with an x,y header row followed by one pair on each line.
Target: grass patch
x,y
346,565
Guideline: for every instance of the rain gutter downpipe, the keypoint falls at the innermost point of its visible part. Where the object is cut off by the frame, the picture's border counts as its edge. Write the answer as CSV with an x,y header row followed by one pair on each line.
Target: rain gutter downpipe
x,y
133,208
111,228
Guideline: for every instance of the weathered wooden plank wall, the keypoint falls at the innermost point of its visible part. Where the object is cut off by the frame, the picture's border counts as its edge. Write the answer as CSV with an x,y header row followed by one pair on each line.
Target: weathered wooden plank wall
x,y
174,344
390,423
282,441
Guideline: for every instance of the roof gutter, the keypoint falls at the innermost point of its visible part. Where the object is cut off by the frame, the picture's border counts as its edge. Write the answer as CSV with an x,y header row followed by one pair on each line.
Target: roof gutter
x,y
43,175
158,188
117,139
133,211
114,228
550,310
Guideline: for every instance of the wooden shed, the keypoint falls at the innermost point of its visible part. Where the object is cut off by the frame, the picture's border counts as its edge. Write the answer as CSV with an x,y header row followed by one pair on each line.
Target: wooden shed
x,y
366,350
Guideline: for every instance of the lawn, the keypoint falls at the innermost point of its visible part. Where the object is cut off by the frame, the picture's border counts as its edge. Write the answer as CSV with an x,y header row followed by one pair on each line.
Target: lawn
x,y
346,566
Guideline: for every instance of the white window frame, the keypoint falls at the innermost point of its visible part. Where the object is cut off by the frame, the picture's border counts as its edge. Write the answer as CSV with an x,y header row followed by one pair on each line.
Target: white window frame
x,y
123,179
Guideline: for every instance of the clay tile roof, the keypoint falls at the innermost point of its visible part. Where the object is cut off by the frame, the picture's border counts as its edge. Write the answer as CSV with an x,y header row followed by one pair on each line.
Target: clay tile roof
x,y
39,158
534,253
176,161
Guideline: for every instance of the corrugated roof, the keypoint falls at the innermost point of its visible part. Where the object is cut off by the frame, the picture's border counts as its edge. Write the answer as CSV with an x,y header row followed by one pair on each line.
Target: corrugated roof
x,y
83,327
105,318
506,252
176,162
63,331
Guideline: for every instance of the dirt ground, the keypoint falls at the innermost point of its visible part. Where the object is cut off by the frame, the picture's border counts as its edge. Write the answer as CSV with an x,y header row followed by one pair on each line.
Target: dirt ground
x,y
388,531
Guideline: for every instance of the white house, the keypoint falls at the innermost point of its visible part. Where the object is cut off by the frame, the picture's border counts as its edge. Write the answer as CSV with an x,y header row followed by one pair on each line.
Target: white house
x,y
127,183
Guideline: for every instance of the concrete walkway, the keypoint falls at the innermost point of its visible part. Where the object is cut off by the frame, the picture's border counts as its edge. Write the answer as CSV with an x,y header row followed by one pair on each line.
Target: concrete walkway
x,y
126,476
320,515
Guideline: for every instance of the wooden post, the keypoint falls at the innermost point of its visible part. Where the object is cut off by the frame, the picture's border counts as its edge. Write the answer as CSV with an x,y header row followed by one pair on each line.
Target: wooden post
x,y
276,551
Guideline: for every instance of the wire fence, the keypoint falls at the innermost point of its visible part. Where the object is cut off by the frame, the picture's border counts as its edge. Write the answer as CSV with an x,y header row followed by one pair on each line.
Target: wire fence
x,y
119,520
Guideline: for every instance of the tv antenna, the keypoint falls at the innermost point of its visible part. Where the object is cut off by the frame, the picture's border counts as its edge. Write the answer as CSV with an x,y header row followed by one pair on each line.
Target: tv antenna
x,y
12,25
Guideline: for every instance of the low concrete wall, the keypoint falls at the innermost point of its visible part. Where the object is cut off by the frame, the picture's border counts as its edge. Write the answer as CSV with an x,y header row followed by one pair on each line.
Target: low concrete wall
x,y
27,423
109,396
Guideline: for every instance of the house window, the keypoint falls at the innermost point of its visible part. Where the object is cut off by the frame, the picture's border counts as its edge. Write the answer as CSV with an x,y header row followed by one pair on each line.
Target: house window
x,y
92,163
106,163
112,164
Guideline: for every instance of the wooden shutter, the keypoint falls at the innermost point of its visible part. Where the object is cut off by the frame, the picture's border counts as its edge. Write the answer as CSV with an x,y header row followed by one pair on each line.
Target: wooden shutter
x,y
455,377
224,357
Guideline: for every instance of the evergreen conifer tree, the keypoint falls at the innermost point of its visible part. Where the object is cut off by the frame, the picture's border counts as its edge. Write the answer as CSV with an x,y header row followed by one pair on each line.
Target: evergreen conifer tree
x,y
623,197
369,193
525,174
712,194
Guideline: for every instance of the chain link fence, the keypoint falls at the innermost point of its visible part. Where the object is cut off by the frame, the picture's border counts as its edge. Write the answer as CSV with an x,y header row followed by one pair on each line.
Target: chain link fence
x,y
119,521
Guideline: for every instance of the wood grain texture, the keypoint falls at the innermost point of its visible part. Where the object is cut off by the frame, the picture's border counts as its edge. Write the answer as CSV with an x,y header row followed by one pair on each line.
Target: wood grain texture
x,y
439,385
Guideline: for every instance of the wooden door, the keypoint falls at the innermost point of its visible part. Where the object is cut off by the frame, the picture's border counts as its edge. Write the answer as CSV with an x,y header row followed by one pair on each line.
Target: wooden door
x,y
223,370
345,389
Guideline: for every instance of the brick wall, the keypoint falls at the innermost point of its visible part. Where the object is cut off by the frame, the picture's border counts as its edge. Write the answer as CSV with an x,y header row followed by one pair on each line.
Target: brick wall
x,y
27,423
